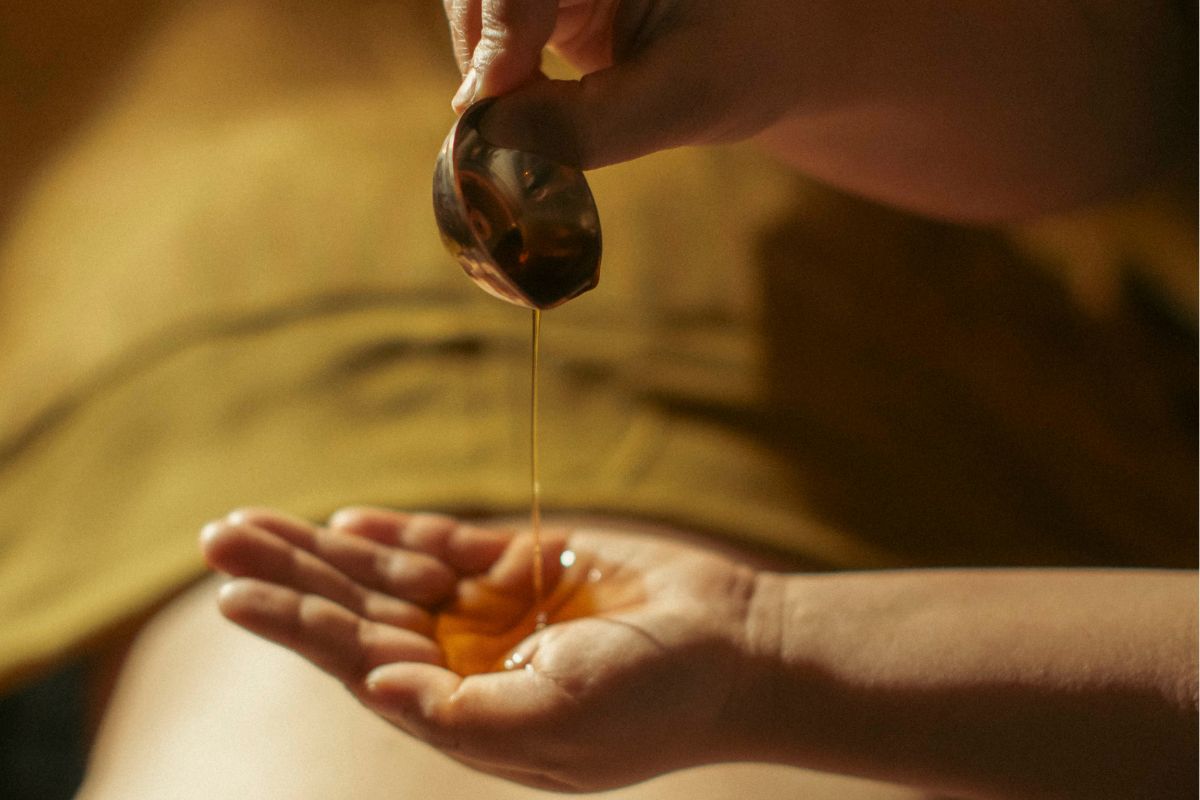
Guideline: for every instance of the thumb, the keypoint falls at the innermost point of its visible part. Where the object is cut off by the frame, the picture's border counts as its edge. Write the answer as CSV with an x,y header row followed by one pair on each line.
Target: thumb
x,y
654,101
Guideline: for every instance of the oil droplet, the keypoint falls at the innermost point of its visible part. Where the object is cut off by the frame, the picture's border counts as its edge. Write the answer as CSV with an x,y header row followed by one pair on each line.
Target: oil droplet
x,y
567,558
514,660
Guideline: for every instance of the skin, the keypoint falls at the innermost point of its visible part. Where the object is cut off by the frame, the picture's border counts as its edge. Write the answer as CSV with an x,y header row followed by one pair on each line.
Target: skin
x,y
604,697
993,111
979,684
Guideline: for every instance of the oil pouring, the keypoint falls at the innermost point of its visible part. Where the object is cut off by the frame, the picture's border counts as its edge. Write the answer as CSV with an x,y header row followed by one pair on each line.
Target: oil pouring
x,y
526,230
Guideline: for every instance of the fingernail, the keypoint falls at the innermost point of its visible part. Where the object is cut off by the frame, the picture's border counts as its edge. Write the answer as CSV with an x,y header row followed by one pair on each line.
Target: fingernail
x,y
467,91
376,681
210,531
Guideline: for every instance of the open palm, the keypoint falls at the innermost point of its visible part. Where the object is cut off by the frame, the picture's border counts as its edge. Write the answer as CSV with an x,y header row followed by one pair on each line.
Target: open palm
x,y
433,624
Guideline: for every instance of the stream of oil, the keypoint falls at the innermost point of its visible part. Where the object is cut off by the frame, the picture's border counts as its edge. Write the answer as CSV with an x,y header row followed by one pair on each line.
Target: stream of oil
x,y
535,478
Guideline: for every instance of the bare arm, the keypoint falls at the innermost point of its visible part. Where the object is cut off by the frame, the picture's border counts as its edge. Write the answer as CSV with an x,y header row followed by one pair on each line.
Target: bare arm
x,y
991,684
979,111
994,109
663,655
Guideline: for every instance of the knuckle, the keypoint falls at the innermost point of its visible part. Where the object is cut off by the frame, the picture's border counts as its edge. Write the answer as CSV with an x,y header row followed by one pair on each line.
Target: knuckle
x,y
517,24
392,568
501,14
458,10
429,533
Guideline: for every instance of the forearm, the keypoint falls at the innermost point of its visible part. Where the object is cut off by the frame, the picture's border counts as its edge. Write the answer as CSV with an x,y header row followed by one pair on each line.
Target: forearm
x,y
989,110
980,683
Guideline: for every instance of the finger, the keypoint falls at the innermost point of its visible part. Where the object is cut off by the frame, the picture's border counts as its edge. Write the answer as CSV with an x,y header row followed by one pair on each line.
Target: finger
x,y
583,34
513,572
336,640
411,576
248,551
509,51
412,696
652,101
489,718
425,700
467,549
464,19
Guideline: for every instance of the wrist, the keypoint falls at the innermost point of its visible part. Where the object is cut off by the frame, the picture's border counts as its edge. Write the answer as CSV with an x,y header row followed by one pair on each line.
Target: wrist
x,y
760,715
796,701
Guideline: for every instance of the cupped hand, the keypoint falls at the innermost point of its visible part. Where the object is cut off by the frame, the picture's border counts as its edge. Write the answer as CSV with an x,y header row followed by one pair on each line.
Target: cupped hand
x,y
656,73
434,625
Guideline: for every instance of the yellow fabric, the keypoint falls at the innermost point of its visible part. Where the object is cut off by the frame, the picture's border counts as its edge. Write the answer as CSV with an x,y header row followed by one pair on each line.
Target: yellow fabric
x,y
228,290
